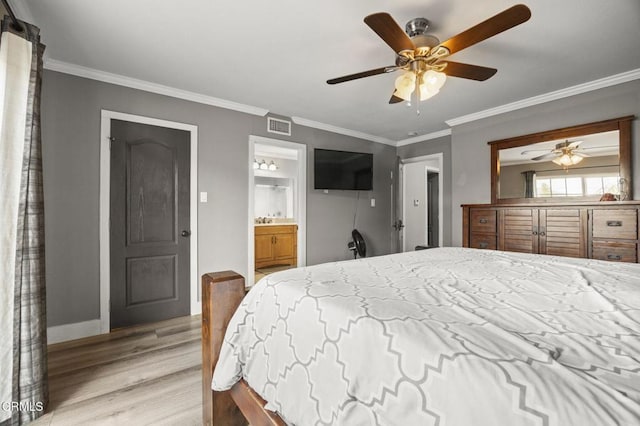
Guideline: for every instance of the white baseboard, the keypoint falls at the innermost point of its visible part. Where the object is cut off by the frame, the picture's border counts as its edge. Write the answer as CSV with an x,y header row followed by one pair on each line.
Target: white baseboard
x,y
77,330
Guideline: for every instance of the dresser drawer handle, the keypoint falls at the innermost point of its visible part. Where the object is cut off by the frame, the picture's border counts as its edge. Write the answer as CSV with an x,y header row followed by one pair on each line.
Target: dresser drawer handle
x,y
614,223
614,257
483,245
484,220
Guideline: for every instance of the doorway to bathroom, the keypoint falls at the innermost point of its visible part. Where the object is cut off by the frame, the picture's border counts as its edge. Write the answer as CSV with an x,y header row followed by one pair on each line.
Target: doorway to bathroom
x,y
277,206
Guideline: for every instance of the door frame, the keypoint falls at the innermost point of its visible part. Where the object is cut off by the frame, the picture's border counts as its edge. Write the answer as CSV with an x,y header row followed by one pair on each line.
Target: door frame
x,y
105,187
301,196
439,157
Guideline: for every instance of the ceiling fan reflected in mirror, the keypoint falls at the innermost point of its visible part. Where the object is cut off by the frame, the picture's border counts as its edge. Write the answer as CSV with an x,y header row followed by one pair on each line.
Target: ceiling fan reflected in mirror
x,y
564,154
424,60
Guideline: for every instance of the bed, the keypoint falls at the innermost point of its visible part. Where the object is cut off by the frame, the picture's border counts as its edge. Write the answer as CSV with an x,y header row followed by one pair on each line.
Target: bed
x,y
448,336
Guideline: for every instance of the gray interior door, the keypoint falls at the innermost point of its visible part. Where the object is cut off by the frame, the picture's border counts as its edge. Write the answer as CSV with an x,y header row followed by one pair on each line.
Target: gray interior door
x,y
433,209
150,225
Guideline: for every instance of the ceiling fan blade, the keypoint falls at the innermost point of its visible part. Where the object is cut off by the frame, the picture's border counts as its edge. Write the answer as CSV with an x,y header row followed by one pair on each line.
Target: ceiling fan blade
x,y
574,145
389,31
395,99
545,156
504,20
529,151
472,72
362,74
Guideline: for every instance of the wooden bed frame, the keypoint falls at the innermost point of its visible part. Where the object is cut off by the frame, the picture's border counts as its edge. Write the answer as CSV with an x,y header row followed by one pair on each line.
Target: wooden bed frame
x,y
222,292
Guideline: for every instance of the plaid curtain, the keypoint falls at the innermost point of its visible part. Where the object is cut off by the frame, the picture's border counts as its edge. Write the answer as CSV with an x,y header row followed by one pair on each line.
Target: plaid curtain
x,y
529,176
23,333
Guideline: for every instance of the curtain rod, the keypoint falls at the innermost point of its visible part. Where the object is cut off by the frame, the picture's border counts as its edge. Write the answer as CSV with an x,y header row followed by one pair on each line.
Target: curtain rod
x,y
16,24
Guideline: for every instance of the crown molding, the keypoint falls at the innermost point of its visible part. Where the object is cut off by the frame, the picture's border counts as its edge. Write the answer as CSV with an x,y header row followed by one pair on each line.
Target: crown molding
x,y
547,97
347,132
121,80
422,138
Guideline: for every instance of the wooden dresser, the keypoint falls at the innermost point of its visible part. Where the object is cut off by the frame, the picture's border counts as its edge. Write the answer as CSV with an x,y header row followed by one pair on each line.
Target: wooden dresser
x,y
603,230
276,245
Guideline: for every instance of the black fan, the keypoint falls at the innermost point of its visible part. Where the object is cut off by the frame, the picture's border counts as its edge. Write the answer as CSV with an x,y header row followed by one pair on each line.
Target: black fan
x,y
358,245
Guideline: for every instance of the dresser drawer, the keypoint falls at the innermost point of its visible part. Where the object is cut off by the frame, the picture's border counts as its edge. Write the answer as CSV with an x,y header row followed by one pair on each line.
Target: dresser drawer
x,y
621,224
483,220
483,241
616,251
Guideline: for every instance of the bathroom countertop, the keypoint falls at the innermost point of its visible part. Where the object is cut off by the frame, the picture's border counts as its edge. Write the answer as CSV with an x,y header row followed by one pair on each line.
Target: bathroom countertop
x,y
275,224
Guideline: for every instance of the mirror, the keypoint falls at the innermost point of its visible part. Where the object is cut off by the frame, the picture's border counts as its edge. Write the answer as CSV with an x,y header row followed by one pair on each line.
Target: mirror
x,y
273,197
579,163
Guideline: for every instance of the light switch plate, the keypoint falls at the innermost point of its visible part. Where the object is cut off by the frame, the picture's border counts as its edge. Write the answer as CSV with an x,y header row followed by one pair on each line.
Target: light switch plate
x,y
203,197
373,202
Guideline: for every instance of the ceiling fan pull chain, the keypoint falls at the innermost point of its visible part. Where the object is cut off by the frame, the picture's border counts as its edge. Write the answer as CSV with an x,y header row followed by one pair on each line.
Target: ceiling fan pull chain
x,y
416,93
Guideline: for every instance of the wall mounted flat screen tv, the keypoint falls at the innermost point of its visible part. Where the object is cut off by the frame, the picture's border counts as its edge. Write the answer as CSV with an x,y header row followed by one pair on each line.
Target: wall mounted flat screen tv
x,y
342,170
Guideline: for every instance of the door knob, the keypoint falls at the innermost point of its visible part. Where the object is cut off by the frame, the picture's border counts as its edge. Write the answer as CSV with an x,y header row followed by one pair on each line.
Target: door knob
x,y
185,233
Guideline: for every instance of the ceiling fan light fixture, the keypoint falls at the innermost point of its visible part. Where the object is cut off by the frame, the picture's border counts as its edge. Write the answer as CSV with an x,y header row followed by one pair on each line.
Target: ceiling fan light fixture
x,y
405,85
575,159
567,159
425,93
434,80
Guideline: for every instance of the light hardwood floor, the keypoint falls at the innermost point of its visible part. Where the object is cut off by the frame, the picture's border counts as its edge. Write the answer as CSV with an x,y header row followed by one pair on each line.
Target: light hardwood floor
x,y
144,375
263,272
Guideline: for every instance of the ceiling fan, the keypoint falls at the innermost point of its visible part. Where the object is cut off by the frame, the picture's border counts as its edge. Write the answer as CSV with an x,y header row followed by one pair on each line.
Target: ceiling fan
x,y
564,154
424,58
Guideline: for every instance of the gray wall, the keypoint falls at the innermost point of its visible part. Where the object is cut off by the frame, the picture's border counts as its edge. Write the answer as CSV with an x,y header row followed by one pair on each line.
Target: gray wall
x,y
471,173
71,127
71,161
330,215
435,146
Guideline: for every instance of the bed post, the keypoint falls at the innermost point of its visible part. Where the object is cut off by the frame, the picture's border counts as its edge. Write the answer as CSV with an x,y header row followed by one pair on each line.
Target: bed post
x,y
222,292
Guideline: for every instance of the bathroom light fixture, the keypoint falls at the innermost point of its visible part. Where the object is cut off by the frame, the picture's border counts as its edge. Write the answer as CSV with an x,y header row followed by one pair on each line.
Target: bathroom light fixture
x,y
262,165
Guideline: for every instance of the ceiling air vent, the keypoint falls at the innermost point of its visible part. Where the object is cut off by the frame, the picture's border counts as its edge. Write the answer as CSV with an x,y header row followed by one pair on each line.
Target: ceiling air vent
x,y
281,127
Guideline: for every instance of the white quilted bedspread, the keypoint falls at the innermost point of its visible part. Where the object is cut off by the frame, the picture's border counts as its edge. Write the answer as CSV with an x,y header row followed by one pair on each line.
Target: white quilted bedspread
x,y
447,336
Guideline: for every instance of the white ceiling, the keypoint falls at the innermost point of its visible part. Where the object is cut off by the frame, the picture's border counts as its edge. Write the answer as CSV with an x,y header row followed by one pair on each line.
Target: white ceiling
x,y
277,55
